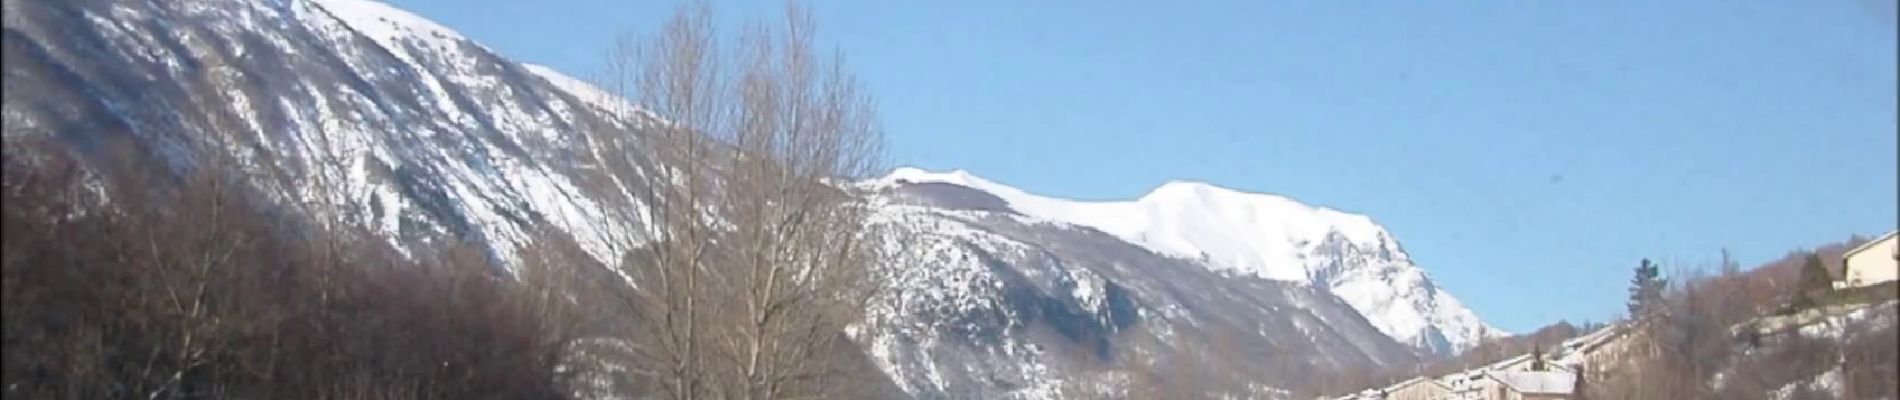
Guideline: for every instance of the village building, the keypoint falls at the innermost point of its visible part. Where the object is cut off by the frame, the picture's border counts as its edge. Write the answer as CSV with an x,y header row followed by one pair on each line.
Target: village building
x,y
1598,351
1536,375
1871,263
1527,385
1420,388
1475,384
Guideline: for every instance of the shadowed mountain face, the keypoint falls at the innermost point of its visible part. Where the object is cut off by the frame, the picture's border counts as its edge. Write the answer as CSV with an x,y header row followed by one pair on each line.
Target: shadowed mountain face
x,y
357,112
948,196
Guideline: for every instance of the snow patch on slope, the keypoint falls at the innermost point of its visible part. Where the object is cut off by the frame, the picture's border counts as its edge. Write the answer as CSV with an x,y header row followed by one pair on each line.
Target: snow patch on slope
x,y
388,25
594,96
500,190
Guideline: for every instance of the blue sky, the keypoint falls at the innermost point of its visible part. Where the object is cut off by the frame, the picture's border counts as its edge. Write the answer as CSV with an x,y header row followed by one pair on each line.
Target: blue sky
x,y
1527,154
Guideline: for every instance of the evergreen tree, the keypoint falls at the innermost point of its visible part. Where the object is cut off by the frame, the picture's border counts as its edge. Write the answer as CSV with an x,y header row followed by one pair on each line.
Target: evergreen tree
x,y
1537,357
1814,279
1814,276
1730,267
1645,288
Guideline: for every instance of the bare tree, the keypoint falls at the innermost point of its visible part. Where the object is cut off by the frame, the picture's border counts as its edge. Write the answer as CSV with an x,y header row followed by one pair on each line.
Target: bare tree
x,y
677,76
757,260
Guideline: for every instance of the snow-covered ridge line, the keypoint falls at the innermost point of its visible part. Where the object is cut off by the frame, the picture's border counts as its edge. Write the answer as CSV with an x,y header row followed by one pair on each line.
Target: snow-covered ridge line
x,y
593,95
1256,234
1259,235
387,24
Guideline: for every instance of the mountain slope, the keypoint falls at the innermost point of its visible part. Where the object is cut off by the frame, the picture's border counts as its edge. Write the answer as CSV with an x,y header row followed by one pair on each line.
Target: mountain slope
x,y
1266,236
346,109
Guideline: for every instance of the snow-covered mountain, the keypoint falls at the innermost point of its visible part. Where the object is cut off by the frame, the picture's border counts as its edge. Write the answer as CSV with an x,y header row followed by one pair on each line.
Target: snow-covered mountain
x,y
1266,236
991,303
381,117
377,117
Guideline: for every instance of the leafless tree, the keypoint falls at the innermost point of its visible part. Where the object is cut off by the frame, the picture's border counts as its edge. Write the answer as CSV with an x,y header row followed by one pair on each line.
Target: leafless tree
x,y
757,258
181,286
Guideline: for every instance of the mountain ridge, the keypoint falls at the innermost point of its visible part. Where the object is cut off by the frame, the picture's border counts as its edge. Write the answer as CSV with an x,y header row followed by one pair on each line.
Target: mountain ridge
x,y
1264,235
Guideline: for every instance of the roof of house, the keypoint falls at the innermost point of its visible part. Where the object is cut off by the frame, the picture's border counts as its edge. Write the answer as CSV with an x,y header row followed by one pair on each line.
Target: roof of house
x,y
1572,352
1507,363
1515,361
1417,380
1536,382
1591,341
1870,244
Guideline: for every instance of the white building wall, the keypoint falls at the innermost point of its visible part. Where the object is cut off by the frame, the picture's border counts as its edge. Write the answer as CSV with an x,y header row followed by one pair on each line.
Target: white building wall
x,y
1874,264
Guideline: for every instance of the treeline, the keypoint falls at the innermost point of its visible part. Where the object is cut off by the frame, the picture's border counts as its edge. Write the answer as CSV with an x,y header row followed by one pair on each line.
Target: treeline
x,y
1687,345
142,284
1693,340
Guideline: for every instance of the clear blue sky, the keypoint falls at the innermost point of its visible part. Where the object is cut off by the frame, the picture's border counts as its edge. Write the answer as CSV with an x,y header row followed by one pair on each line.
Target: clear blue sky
x,y
1527,154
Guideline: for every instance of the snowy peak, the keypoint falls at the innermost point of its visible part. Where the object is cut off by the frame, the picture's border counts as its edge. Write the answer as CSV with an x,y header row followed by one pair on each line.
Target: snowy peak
x,y
1300,219
1190,188
909,175
1187,186
1259,235
387,24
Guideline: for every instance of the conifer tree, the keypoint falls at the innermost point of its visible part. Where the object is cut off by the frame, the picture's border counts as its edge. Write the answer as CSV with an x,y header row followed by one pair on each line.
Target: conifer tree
x,y
1814,279
1645,288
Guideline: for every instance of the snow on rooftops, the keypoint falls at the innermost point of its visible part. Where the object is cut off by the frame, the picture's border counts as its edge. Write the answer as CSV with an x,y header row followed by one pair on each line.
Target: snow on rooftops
x,y
1537,382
